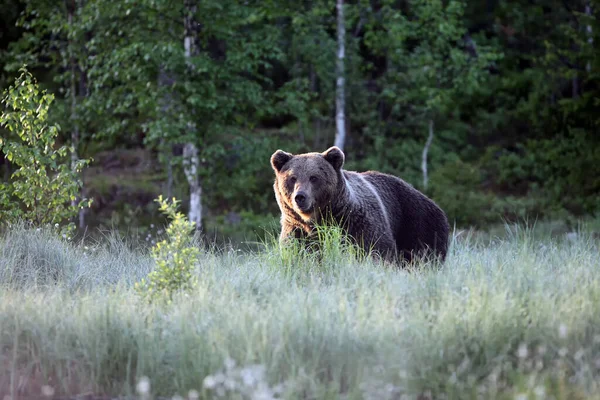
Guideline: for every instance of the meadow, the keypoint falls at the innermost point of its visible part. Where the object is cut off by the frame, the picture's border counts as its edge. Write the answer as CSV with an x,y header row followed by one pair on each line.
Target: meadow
x,y
509,316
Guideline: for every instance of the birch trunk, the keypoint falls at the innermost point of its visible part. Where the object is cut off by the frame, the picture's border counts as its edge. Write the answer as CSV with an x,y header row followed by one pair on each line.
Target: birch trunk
x,y
340,102
425,151
190,167
190,150
74,117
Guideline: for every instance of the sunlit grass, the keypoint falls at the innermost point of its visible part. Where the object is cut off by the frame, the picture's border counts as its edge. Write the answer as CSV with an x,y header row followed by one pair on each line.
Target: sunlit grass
x,y
504,317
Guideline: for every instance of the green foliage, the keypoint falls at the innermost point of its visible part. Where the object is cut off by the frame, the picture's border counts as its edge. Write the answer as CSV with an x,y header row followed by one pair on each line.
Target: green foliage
x,y
543,122
44,186
242,206
245,161
511,87
563,169
455,187
176,258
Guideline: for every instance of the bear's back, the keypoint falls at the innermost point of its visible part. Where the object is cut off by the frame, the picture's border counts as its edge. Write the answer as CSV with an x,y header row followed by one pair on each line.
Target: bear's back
x,y
415,220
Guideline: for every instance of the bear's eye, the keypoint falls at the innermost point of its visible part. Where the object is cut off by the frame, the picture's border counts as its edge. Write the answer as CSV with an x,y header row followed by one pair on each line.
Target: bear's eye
x,y
293,180
313,179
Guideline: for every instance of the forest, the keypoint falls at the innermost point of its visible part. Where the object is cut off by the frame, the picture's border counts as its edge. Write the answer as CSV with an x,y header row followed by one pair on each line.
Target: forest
x,y
490,108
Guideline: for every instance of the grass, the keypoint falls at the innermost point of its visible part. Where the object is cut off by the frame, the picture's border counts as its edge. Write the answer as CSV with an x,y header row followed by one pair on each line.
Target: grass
x,y
511,317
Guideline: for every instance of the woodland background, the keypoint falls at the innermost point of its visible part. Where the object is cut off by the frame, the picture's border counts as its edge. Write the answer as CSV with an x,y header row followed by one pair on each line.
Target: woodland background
x,y
189,97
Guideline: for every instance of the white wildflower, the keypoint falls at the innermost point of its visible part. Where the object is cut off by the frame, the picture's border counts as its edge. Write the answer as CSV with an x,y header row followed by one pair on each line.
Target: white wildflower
x,y
209,382
562,331
540,392
563,351
220,378
143,386
248,378
229,384
229,363
522,352
263,393
47,391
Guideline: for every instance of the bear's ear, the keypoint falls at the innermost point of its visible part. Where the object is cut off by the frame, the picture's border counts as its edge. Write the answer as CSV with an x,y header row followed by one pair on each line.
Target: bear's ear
x,y
335,157
279,158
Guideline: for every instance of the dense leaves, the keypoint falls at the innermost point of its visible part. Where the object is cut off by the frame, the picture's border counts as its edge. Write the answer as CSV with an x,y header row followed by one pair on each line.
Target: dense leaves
x,y
510,92
176,257
43,189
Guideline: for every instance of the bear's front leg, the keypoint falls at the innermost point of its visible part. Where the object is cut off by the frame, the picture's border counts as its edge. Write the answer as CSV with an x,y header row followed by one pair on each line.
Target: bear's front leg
x,y
375,241
289,232
385,248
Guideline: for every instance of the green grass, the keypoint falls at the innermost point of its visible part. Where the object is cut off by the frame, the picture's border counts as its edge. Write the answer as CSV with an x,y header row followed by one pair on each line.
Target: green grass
x,y
505,317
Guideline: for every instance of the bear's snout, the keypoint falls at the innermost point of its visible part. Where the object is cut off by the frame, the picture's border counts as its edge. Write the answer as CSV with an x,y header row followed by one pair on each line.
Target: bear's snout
x,y
302,201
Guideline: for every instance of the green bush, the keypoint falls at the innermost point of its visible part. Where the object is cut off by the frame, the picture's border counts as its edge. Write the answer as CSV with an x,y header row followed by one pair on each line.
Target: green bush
x,y
175,257
563,170
44,188
245,227
456,187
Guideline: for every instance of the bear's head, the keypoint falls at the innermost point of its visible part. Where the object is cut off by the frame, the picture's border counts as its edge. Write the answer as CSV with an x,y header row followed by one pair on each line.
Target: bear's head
x,y
308,182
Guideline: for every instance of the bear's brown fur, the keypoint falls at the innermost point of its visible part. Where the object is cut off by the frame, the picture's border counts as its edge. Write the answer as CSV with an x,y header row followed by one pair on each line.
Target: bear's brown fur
x,y
379,211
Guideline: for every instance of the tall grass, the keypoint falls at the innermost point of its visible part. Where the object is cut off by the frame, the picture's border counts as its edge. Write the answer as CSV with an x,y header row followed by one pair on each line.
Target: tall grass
x,y
512,316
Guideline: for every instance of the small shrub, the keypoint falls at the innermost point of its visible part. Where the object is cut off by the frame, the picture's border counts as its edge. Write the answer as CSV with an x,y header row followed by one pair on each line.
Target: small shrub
x,y
42,191
456,187
175,257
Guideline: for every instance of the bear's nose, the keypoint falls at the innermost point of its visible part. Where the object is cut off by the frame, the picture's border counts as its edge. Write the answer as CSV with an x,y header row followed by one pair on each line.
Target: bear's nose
x,y
300,199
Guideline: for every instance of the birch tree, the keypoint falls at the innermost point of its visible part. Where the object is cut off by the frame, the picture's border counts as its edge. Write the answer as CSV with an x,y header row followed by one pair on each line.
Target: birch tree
x,y
190,150
218,76
340,101
424,157
431,61
55,38
588,30
74,67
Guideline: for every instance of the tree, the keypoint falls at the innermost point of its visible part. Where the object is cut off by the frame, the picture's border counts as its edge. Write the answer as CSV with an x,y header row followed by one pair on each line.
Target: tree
x,y
190,150
44,184
55,38
218,79
74,83
430,62
554,160
215,82
340,117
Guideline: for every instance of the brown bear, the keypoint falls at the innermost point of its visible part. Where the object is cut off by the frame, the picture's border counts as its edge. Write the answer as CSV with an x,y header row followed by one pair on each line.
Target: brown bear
x,y
380,212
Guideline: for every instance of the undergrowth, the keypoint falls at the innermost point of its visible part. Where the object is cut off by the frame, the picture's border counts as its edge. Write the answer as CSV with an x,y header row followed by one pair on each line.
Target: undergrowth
x,y
508,317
